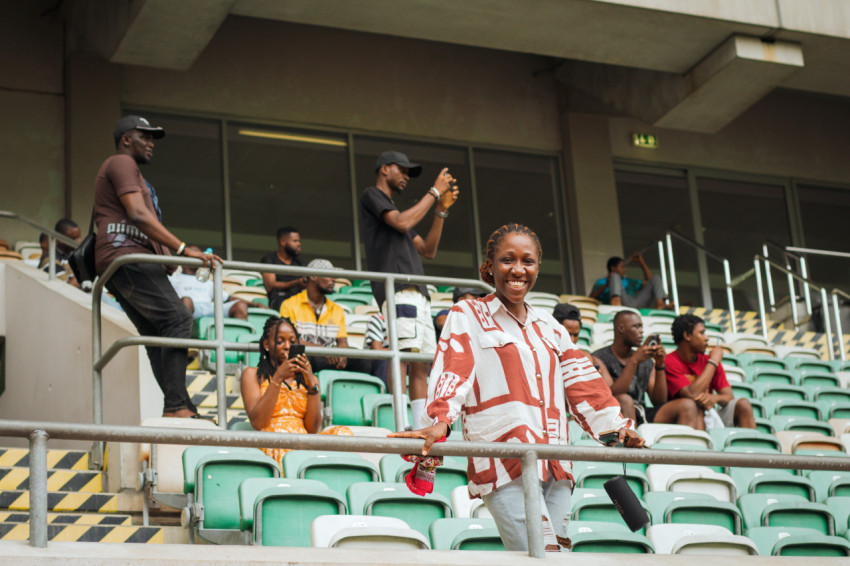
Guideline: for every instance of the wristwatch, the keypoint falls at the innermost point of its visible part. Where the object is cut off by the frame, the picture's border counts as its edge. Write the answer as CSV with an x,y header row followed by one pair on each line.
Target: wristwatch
x,y
313,390
441,214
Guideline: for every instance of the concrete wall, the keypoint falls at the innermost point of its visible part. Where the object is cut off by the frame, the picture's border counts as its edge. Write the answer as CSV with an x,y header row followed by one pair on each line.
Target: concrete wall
x,y
48,356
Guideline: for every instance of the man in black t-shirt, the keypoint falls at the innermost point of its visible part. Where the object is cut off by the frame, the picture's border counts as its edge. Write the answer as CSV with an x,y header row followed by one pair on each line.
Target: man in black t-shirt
x,y
280,287
393,246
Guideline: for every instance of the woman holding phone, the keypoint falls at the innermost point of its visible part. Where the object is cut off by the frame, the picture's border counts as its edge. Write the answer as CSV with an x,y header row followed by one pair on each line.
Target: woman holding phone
x,y
281,394
514,374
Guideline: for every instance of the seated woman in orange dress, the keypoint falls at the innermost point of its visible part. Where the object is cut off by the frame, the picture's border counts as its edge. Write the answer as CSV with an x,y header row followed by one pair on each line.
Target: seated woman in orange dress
x,y
282,394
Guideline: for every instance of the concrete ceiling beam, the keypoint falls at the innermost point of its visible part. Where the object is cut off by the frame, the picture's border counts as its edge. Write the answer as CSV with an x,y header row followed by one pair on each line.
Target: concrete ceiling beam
x,y
167,34
736,75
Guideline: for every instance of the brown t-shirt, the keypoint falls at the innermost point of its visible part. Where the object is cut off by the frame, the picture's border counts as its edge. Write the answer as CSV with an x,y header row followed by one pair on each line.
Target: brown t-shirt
x,y
116,234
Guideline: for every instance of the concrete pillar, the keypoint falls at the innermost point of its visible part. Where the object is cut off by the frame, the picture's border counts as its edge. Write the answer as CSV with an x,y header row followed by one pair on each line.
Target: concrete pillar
x,y
591,196
93,105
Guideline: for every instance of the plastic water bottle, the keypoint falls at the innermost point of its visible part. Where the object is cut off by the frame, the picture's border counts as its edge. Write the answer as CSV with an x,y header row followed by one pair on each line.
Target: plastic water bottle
x,y
203,272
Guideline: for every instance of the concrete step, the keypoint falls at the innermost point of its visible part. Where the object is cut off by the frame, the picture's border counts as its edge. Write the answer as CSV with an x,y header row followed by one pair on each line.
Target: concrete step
x,y
57,480
19,500
110,519
87,533
56,459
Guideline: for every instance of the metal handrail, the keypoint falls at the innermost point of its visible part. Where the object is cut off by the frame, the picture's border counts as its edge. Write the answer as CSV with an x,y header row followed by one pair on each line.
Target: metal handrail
x,y
814,251
794,276
838,326
52,236
99,360
769,279
727,276
39,433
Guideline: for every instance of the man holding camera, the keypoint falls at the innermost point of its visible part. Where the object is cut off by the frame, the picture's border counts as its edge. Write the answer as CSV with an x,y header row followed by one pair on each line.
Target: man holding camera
x,y
392,246
637,372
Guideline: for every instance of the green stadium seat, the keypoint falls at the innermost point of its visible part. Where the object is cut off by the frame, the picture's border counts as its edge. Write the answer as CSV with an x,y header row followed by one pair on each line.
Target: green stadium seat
x,y
729,437
691,507
201,326
830,483
818,378
365,531
771,390
685,447
233,328
804,424
278,512
832,394
343,391
731,360
595,474
212,475
832,409
806,364
337,470
781,406
395,500
772,375
594,536
779,510
243,426
378,410
250,359
254,283
791,541
692,479
743,390
450,475
840,507
761,361
465,534
769,480
258,316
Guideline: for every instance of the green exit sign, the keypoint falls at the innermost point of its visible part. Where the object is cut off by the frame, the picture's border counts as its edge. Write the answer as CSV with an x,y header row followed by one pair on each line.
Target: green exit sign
x,y
645,140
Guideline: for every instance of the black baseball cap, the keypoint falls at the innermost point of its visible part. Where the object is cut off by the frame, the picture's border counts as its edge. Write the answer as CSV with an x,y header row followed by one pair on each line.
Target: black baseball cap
x,y
133,122
390,157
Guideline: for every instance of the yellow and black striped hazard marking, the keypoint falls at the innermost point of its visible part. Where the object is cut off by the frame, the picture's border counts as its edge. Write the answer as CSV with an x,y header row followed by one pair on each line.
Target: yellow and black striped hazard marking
x,y
57,480
86,533
233,416
56,459
206,383
211,400
70,519
17,500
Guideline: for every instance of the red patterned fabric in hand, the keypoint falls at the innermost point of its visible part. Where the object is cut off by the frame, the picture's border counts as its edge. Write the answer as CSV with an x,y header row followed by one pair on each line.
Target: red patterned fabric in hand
x,y
420,480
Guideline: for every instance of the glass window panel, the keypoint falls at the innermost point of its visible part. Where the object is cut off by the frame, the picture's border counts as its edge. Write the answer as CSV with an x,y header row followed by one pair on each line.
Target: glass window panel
x,y
455,256
737,218
518,187
649,206
825,213
186,174
287,177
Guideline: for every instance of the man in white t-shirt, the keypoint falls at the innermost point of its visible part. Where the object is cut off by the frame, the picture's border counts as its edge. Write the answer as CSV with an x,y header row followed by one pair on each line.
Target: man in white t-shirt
x,y
198,295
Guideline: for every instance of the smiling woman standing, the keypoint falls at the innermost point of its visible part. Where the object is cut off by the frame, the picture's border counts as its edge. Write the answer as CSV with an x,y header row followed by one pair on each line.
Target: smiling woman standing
x,y
514,374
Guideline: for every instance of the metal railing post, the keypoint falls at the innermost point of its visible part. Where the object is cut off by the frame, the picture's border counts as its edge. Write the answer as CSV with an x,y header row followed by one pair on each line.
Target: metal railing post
x,y
839,331
807,293
220,376
97,449
760,291
673,285
827,325
663,267
51,258
38,489
399,409
768,278
533,512
727,276
792,297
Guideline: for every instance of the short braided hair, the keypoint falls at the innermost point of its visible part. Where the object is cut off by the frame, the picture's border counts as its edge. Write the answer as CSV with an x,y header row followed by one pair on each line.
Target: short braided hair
x,y
268,364
486,269
682,324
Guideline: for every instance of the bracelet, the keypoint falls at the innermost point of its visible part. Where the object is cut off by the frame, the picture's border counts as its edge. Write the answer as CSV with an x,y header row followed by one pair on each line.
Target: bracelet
x,y
712,362
660,368
273,383
441,214
434,193
181,249
313,390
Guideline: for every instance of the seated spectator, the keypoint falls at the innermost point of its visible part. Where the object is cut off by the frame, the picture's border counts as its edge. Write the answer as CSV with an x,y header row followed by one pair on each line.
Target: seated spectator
x,y
376,339
617,289
691,374
198,295
459,294
320,321
640,371
280,287
569,316
282,394
68,228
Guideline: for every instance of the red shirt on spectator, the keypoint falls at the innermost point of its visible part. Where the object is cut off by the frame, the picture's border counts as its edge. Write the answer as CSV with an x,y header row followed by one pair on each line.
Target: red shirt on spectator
x,y
681,373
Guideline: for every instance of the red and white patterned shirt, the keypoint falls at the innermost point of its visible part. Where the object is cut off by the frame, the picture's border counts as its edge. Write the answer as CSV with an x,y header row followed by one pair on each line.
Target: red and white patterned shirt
x,y
515,383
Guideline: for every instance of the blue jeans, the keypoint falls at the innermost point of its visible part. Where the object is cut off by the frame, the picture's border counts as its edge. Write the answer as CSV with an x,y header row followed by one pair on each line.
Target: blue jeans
x,y
507,505
146,295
